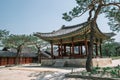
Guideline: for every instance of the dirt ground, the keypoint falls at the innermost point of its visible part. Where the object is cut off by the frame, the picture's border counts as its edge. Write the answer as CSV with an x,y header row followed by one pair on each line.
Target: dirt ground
x,y
8,74
31,73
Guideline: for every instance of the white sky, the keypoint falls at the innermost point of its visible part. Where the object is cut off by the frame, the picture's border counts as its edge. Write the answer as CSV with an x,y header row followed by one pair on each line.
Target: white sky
x,y
28,16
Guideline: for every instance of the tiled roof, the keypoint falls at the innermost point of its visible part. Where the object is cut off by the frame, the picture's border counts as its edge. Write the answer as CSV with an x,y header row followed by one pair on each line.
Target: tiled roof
x,y
63,30
7,54
13,54
77,31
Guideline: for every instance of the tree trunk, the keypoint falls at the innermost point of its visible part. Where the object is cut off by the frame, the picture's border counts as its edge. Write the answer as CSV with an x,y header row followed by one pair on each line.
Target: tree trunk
x,y
19,49
89,58
17,58
39,55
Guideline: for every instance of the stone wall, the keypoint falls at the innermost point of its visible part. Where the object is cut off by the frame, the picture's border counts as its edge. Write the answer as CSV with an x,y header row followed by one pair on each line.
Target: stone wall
x,y
101,62
47,62
77,62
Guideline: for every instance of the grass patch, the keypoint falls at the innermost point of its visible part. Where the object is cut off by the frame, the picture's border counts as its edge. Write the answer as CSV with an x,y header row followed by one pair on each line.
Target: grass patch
x,y
113,72
109,72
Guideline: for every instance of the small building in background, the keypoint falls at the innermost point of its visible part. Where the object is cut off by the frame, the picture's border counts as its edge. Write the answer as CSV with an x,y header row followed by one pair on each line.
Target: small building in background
x,y
8,57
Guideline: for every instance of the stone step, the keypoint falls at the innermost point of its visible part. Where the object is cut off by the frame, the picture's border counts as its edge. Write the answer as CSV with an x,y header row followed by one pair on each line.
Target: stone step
x,y
59,64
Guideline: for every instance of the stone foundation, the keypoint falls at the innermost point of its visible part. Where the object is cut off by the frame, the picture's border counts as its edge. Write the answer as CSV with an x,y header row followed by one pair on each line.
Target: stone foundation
x,y
76,62
100,62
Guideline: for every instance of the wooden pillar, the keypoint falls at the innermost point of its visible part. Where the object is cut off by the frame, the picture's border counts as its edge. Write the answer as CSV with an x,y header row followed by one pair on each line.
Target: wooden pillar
x,y
72,47
52,49
70,52
79,49
64,49
25,61
0,61
96,47
61,49
58,50
100,48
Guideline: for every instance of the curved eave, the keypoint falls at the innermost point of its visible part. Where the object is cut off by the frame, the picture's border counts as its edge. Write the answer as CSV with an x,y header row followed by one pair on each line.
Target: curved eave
x,y
110,34
101,34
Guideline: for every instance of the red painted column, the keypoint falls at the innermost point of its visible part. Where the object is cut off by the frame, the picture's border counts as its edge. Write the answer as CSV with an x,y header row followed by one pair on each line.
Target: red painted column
x,y
79,49
61,49
72,47
0,61
64,49
70,52
7,59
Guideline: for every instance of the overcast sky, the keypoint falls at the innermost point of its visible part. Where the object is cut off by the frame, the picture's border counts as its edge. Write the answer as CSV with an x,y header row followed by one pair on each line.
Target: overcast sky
x,y
28,16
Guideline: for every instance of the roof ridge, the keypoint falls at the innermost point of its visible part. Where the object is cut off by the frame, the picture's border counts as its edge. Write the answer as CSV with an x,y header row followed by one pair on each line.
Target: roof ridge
x,y
73,26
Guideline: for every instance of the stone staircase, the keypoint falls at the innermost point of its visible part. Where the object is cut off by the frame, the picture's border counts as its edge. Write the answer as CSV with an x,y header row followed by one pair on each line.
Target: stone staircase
x,y
59,64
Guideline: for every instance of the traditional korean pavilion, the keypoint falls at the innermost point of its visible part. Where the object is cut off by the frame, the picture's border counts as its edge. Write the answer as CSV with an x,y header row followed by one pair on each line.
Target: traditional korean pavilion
x,y
75,37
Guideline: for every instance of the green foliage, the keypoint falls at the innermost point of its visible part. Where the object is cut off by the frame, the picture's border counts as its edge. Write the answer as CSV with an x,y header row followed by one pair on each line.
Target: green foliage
x,y
114,17
113,71
3,34
105,69
39,43
32,48
16,40
111,8
110,48
77,11
110,72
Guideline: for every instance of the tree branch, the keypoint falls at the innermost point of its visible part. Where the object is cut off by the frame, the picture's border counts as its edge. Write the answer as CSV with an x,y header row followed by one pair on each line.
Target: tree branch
x,y
90,14
114,4
97,12
82,13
